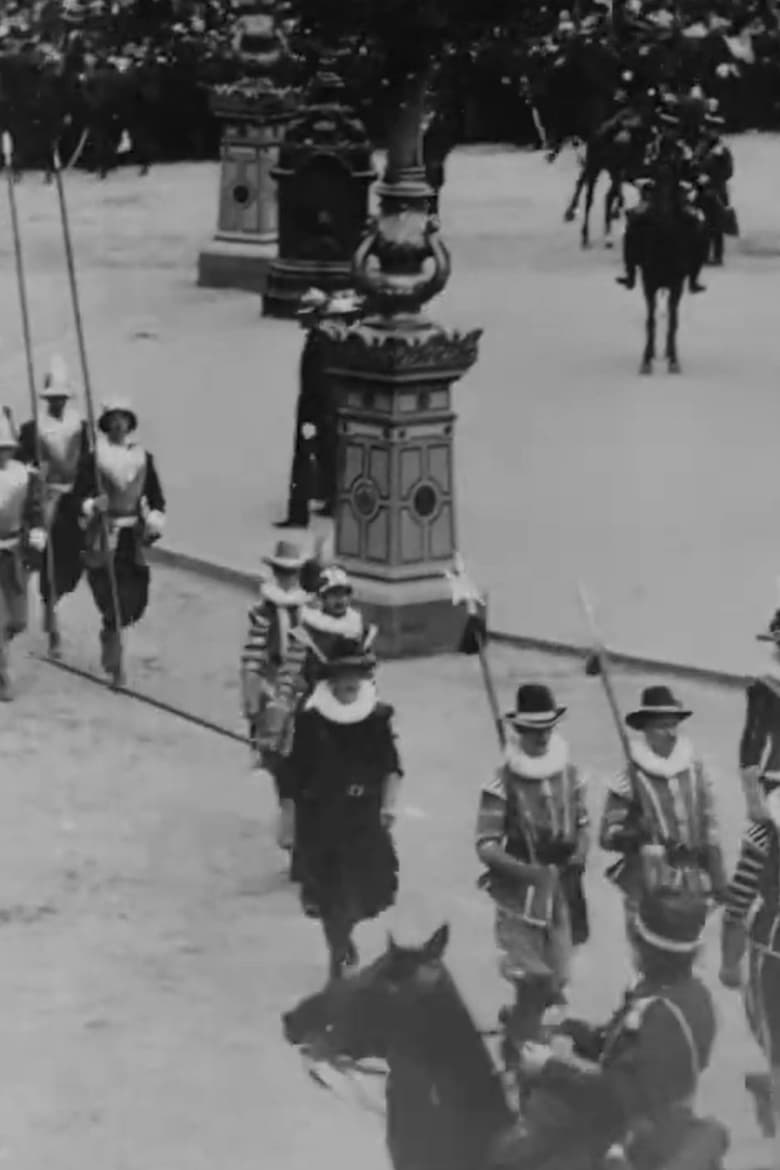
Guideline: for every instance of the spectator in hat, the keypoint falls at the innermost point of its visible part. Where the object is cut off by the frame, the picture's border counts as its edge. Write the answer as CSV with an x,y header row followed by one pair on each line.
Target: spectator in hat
x,y
532,835
660,811
621,1093
343,774
272,680
759,747
313,471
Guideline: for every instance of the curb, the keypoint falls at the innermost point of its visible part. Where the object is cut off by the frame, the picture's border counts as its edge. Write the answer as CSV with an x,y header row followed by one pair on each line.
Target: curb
x,y
247,581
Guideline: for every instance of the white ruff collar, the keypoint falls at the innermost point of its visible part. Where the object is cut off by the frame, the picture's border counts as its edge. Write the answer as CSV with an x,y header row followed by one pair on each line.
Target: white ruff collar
x,y
323,700
286,598
349,626
679,761
121,462
69,424
551,763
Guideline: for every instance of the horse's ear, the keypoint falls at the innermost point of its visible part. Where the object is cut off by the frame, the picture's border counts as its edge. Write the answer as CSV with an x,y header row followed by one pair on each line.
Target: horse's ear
x,y
437,943
392,946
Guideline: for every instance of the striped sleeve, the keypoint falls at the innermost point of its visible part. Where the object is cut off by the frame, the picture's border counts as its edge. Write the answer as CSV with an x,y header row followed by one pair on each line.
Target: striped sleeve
x,y
621,786
491,818
580,792
253,654
744,887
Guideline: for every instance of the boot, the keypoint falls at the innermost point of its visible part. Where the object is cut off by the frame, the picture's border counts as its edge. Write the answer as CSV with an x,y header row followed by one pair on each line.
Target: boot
x,y
285,827
51,628
694,285
112,656
629,280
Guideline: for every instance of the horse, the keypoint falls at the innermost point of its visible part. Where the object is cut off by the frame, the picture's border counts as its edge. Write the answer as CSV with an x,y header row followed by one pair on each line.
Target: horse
x,y
616,154
664,241
446,1105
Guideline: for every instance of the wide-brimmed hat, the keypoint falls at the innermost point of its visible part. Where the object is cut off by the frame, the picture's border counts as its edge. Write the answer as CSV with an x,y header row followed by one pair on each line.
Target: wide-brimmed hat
x,y
656,703
535,708
334,579
313,300
772,632
117,406
344,303
348,656
56,383
286,556
671,920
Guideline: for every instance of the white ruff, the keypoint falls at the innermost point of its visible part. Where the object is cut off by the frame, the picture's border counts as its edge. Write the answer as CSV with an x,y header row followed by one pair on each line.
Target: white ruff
x,y
285,598
349,626
772,804
551,763
323,700
679,761
122,464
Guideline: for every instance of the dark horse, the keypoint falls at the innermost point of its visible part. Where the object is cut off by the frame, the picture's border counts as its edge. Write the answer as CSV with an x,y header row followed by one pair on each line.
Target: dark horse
x,y
446,1107
663,242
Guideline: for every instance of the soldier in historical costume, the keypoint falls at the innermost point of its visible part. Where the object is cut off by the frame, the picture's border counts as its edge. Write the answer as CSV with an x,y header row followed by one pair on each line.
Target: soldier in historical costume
x,y
759,748
22,540
623,1094
344,774
660,813
333,618
313,472
63,436
532,834
118,484
272,679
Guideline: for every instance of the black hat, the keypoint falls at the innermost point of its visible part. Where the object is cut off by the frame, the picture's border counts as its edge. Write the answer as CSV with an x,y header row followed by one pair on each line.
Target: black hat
x,y
671,920
348,656
535,708
656,702
772,633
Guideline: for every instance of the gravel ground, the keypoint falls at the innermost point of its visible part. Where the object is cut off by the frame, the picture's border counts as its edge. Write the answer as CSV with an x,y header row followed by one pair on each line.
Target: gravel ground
x,y
150,938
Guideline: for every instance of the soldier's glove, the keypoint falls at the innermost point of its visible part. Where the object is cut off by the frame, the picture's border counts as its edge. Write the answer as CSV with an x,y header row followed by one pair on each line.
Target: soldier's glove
x,y
37,539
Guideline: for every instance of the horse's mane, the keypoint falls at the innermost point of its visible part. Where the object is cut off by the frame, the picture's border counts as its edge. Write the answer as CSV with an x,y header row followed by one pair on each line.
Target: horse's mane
x,y
444,1033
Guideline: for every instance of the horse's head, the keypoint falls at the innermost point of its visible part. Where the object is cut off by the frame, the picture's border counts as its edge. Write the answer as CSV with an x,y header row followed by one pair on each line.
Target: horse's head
x,y
352,1018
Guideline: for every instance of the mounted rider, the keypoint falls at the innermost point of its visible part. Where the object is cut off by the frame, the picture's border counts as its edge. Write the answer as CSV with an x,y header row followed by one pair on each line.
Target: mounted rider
x,y
623,1094
668,169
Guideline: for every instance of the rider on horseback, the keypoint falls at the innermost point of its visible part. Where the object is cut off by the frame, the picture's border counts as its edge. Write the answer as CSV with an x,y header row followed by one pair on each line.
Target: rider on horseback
x,y
625,1091
669,159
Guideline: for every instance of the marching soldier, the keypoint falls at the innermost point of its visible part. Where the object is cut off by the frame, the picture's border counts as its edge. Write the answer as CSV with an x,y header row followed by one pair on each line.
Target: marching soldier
x,y
64,443
751,922
622,1094
532,834
660,815
272,666
759,748
119,482
22,540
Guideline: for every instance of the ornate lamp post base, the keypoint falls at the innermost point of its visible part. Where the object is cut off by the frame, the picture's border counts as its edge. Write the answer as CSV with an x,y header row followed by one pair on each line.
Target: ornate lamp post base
x,y
244,245
395,510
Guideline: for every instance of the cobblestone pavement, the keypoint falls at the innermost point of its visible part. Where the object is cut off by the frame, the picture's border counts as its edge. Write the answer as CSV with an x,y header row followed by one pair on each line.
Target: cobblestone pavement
x,y
659,493
151,940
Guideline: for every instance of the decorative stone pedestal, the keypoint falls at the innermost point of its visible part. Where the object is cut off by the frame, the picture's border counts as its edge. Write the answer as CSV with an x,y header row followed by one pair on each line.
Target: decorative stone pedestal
x,y
395,524
324,174
244,246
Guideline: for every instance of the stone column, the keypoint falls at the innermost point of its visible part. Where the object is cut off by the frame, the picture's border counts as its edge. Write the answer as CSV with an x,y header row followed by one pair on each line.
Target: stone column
x,y
244,244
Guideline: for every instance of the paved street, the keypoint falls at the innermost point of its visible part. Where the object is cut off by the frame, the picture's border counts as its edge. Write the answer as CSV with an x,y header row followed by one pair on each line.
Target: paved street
x,y
151,941
658,493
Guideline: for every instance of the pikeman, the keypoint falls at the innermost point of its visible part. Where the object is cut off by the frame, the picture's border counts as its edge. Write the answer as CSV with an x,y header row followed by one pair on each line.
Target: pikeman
x,y
63,437
22,540
532,834
660,812
759,748
272,678
119,486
